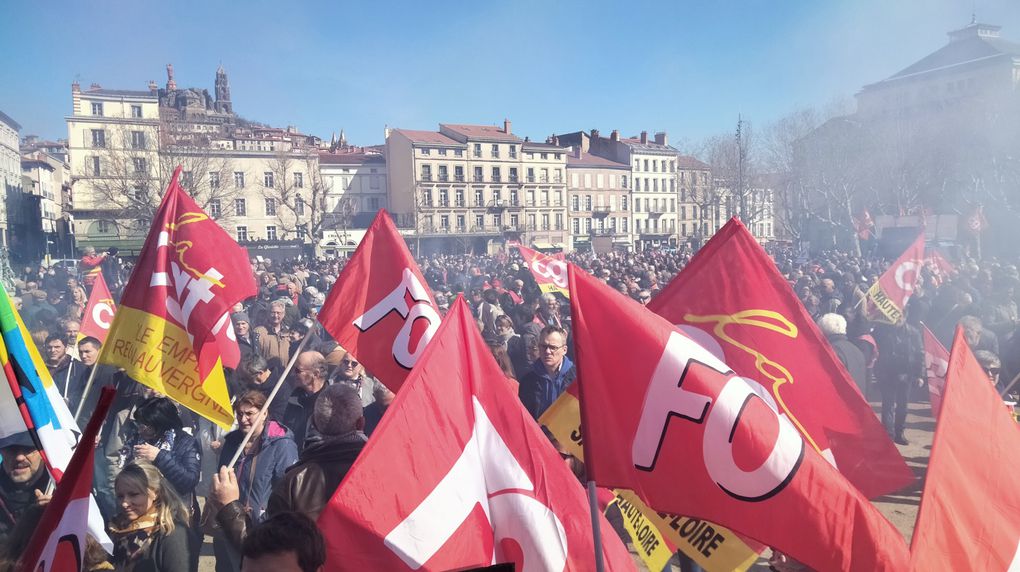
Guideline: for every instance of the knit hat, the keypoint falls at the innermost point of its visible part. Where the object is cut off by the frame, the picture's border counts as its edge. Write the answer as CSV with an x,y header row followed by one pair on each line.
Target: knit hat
x,y
239,317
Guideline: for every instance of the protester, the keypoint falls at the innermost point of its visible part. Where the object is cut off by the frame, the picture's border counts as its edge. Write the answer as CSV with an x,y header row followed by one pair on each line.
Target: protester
x,y
310,378
899,369
151,531
352,373
62,367
549,375
106,376
374,411
23,479
288,542
833,327
273,338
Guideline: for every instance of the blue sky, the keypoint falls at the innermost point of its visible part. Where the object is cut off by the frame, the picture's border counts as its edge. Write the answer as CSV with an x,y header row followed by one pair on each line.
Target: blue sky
x,y
687,67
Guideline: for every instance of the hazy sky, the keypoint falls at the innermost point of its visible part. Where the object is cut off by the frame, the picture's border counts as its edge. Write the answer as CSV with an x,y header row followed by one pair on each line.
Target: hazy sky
x,y
687,67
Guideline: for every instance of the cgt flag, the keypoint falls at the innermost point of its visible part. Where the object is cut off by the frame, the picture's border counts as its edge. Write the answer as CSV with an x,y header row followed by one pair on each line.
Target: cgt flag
x,y
58,543
689,436
380,309
482,486
970,509
765,334
936,362
172,331
550,272
99,312
887,299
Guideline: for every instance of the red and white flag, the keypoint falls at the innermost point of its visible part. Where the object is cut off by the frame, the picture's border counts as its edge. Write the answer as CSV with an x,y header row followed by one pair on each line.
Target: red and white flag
x,y
668,419
380,309
970,509
550,272
765,334
887,298
458,475
98,312
936,363
939,267
58,543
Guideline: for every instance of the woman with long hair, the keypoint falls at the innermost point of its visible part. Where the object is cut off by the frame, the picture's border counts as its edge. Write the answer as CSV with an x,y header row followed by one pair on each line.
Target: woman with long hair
x,y
150,532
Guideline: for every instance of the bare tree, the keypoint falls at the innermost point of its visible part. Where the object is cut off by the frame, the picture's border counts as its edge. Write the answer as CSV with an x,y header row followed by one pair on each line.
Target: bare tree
x,y
299,193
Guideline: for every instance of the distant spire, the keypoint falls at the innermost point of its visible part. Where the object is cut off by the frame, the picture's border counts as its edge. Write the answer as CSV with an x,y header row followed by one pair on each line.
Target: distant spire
x,y
171,85
343,138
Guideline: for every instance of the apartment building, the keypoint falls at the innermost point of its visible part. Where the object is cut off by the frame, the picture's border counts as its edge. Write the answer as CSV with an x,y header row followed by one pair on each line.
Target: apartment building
x,y
598,193
10,168
356,188
475,188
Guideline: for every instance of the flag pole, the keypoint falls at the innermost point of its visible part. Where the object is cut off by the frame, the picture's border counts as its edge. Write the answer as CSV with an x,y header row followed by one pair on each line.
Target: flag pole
x,y
67,378
269,400
1010,385
85,392
596,526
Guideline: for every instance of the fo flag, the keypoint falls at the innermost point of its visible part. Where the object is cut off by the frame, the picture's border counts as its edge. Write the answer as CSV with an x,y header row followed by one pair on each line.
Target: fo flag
x,y
970,509
887,299
98,312
732,299
58,543
172,331
550,272
380,309
689,436
936,363
482,485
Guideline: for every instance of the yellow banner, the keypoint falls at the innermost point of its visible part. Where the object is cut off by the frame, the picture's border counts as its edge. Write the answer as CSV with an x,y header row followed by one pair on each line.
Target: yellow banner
x,y
714,548
881,308
159,354
647,540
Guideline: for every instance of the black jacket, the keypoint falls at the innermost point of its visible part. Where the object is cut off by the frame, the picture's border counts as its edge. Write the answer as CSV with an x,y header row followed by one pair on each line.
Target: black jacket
x,y
852,359
308,485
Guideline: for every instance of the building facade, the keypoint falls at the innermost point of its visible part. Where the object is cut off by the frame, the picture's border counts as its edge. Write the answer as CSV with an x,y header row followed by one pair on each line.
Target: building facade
x,y
598,193
10,170
475,188
357,187
46,182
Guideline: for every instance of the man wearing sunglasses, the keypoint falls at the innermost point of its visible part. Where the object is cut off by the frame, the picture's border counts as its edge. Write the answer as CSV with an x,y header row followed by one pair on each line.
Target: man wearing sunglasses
x,y
550,374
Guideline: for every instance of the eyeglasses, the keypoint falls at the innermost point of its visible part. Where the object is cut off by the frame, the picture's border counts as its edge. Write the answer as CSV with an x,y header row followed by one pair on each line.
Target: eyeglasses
x,y
549,347
349,363
645,298
991,370
247,414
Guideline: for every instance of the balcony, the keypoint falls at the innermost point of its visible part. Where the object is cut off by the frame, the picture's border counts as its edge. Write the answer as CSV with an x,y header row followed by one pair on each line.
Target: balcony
x,y
602,232
655,235
655,213
459,203
458,178
444,178
514,178
531,178
426,176
496,178
478,179
600,212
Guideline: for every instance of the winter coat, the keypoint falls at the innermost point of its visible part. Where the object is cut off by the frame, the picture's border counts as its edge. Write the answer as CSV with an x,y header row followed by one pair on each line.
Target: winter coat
x,y
16,499
257,472
167,553
539,389
852,359
297,415
308,485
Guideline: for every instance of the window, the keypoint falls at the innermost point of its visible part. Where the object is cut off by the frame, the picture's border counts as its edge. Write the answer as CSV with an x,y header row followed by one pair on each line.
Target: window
x,y
139,165
373,203
515,220
531,174
543,155
444,222
268,180
459,197
626,225
497,221
242,233
458,173
478,174
443,173
271,232
302,231
426,197
575,203
214,180
270,207
655,185
559,221
531,222
545,175
373,181
513,174
495,174
240,207
623,181
478,150
545,221
655,166
461,222
646,185
600,181
458,152
136,111
497,196
96,171
139,194
575,225
187,179
672,205
672,185
495,151
299,205
480,221
97,108
646,164
441,151
574,180
138,140
426,172
98,138
513,151
299,180
514,197
426,151
214,208
444,198
238,179
479,197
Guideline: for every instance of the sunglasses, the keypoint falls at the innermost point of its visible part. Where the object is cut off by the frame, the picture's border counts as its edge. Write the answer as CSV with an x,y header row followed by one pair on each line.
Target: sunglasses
x,y
349,363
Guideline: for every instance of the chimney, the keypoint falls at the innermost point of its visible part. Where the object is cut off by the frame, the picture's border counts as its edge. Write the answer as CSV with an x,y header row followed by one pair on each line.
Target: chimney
x,y
556,141
386,132
644,137
578,151
595,134
153,88
661,138
506,126
76,98
615,135
96,86
75,87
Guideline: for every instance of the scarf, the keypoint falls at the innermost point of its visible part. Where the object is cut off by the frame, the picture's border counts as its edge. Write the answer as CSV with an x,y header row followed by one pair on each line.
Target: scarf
x,y
131,540
126,454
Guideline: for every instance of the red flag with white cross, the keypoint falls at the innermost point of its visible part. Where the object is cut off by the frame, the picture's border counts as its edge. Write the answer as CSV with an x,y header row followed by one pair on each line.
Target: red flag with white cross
x,y
732,298
970,509
671,421
458,475
380,309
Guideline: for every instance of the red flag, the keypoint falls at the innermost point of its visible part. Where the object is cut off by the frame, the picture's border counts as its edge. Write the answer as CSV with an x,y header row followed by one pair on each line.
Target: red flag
x,y
380,309
887,299
936,362
970,509
550,272
59,539
691,437
481,485
864,225
939,267
732,299
976,222
98,312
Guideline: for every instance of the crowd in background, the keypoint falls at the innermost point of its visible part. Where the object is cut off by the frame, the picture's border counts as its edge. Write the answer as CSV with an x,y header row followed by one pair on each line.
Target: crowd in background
x,y
159,460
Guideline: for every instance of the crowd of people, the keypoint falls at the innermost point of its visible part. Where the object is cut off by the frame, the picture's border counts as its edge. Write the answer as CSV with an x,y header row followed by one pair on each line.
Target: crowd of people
x,y
162,484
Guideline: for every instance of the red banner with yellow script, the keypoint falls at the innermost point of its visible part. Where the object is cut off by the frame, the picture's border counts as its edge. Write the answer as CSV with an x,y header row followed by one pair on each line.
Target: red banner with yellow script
x,y
173,331
550,272
733,301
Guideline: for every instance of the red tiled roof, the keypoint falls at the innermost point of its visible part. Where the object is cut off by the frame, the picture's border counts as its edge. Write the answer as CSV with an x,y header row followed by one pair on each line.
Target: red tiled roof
x,y
327,158
427,137
481,132
589,160
688,162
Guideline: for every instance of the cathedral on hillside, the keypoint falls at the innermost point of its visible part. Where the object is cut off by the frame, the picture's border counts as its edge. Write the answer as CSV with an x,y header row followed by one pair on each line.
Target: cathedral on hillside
x,y
195,105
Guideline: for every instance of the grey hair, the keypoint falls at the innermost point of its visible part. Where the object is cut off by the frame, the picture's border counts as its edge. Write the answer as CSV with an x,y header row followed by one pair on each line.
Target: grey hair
x,y
832,325
337,410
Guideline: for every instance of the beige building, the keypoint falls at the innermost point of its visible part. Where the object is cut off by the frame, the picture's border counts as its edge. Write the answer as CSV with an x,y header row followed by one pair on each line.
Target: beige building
x,y
10,169
355,179
47,179
474,188
598,193
697,199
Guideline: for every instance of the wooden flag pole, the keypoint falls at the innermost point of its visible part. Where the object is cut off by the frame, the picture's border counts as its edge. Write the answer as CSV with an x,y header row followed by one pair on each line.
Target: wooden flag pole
x,y
269,400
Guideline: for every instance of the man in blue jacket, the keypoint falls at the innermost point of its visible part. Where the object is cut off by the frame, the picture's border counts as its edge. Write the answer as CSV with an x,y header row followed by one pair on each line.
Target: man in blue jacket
x,y
550,374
